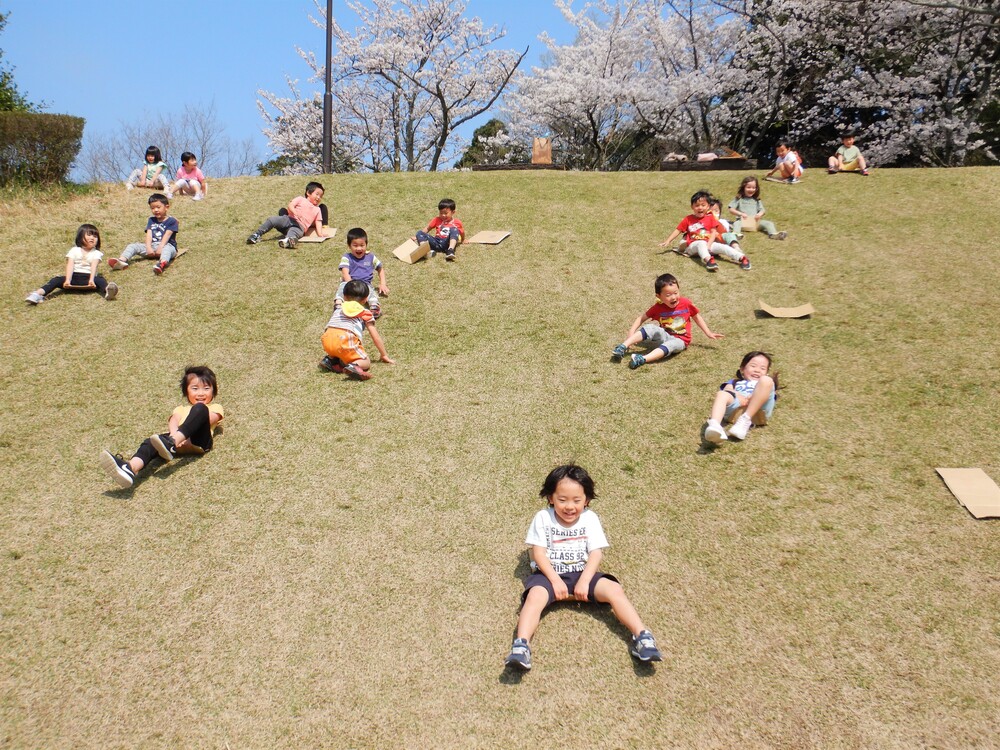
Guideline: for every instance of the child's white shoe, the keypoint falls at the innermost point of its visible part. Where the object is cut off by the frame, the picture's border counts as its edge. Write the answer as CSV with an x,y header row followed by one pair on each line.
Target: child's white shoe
x,y
34,298
714,432
739,430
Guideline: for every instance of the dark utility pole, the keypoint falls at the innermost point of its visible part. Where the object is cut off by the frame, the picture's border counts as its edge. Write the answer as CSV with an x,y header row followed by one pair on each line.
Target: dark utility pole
x,y
328,95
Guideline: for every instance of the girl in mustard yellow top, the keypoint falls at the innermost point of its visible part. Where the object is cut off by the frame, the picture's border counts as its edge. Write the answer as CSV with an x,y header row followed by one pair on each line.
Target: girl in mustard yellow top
x,y
190,429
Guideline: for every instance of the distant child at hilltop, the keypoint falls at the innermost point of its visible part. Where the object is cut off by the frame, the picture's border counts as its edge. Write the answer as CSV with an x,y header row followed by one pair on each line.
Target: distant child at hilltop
x,y
788,166
303,215
444,232
848,157
152,174
190,180
669,326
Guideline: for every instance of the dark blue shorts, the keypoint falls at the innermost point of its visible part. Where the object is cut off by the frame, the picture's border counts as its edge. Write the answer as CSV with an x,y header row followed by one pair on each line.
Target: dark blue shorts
x,y
570,579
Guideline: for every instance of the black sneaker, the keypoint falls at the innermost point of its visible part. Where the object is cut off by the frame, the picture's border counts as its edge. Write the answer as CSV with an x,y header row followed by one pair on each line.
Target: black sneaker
x,y
644,647
520,655
253,239
332,364
711,265
353,371
165,446
118,468
450,256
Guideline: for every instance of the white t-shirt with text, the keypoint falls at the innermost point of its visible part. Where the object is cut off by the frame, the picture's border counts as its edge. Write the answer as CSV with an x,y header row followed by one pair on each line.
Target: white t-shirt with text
x,y
567,547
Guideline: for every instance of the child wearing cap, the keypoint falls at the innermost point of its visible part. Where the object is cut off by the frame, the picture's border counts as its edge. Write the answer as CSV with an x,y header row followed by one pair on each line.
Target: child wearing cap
x,y
342,337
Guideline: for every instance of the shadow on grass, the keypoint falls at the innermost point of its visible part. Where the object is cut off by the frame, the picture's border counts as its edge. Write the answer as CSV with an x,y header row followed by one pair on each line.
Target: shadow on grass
x,y
157,469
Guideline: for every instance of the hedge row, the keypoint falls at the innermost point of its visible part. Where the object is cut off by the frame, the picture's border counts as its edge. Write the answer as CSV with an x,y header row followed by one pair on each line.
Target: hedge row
x,y
38,147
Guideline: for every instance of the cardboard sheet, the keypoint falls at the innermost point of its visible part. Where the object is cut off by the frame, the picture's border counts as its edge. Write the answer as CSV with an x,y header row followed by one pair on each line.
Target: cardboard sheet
x,y
749,225
975,490
411,252
487,238
330,233
802,311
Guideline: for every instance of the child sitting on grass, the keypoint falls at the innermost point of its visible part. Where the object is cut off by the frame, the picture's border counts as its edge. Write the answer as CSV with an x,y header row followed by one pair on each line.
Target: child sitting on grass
x,y
161,238
566,544
152,174
746,400
700,231
670,326
81,274
788,165
746,205
444,232
303,215
190,429
848,157
189,179
357,264
342,337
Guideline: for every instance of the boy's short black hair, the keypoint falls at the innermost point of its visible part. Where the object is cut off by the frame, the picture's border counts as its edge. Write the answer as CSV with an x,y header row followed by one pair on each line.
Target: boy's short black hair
x,y
568,471
665,279
186,157
312,187
446,203
849,133
699,195
158,197
356,290
203,374
356,234
783,142
713,201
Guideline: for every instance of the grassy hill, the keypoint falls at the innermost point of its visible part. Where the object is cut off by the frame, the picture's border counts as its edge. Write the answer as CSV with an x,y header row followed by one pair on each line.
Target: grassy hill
x,y
344,569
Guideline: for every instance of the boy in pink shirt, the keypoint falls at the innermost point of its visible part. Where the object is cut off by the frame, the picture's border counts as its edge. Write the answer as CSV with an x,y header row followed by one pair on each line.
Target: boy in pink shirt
x,y
303,215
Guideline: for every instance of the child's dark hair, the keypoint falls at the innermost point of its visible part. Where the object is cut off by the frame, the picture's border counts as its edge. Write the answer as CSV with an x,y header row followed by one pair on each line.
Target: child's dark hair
x,y
713,201
158,197
186,157
356,290
88,230
312,187
202,373
783,142
356,234
664,279
154,152
568,471
699,195
446,203
746,181
750,355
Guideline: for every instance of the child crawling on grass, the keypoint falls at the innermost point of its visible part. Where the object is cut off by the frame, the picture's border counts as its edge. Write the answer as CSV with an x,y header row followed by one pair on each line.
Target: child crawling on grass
x,y
566,544
190,429
342,337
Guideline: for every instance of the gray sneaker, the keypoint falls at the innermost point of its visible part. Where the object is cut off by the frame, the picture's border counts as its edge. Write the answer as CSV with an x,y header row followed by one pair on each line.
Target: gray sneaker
x,y
520,655
644,647
34,298
288,243
111,292
253,239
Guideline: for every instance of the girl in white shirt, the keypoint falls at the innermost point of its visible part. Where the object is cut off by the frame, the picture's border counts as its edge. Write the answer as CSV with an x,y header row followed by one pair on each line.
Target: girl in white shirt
x,y
81,269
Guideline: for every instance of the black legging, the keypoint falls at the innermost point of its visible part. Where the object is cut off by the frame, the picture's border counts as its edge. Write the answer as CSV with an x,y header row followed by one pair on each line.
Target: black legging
x,y
78,279
197,428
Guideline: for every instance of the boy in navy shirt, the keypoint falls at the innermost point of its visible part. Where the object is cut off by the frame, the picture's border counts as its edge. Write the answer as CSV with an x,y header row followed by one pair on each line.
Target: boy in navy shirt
x,y
357,264
161,238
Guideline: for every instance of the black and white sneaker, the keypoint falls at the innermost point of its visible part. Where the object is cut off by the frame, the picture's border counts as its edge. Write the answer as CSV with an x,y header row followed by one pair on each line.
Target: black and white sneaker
x,y
253,239
644,647
520,655
165,446
287,243
118,468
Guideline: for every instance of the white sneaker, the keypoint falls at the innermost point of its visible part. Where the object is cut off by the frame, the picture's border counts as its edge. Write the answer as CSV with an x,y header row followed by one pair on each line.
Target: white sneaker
x,y
169,194
196,197
129,186
714,432
34,298
739,430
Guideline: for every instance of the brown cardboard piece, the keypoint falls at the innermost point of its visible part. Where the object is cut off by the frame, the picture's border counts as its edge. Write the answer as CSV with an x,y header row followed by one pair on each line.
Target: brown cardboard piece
x,y
487,238
749,224
802,311
411,252
328,233
975,490
541,151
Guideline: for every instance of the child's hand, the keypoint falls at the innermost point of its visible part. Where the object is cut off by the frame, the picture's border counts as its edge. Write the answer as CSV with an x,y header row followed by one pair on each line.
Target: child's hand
x,y
560,590
664,243
383,290
742,399
387,360
714,335
758,215
581,590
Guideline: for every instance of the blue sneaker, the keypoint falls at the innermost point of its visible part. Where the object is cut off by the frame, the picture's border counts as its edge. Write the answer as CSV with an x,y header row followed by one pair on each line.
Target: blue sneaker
x,y
618,353
636,362
644,647
520,655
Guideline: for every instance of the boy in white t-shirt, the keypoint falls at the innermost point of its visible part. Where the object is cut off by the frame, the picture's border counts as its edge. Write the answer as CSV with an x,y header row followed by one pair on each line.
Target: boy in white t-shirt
x,y
788,165
567,543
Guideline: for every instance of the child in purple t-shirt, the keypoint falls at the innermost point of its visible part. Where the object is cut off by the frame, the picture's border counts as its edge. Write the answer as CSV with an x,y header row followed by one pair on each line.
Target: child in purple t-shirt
x,y
357,264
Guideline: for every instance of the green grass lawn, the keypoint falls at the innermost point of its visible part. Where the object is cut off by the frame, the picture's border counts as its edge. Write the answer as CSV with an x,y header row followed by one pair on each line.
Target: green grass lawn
x,y
344,569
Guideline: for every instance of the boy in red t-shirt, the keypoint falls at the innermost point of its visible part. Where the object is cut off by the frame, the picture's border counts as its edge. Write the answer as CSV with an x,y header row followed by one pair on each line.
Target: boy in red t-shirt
x,y
701,230
670,326
444,232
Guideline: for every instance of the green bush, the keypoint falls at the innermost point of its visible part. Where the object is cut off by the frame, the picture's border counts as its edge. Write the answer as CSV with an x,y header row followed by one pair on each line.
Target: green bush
x,y
37,147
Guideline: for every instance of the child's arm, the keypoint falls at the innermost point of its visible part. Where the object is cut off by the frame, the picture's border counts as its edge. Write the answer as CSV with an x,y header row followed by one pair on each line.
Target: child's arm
x,y
541,558
582,587
382,288
166,238
345,275
705,329
673,236
69,274
760,212
736,212
377,340
93,271
149,243
636,325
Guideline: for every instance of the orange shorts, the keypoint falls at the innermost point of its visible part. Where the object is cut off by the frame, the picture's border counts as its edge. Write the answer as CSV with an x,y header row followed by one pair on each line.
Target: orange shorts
x,y
343,345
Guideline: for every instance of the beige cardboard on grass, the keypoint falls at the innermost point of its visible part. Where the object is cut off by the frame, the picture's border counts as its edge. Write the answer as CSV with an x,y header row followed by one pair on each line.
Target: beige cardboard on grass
x,y
411,252
802,311
487,238
328,233
749,224
975,490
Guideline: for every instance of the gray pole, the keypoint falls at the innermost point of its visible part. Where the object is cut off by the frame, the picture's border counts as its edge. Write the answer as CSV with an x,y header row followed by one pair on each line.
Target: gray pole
x,y
328,95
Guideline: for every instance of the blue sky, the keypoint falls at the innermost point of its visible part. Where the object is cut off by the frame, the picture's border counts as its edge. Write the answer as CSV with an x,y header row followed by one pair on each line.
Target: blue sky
x,y
114,61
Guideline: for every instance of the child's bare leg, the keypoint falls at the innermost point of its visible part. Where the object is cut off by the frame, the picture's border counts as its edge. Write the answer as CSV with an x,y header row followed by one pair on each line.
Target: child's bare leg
x,y
862,164
722,401
363,364
654,355
534,604
635,338
135,464
760,395
610,592
833,164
